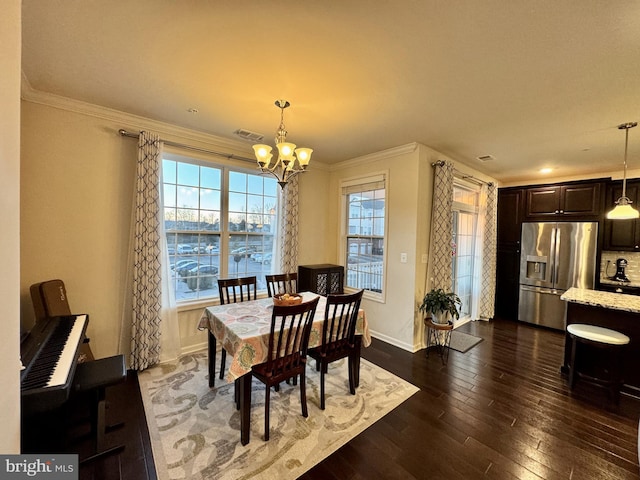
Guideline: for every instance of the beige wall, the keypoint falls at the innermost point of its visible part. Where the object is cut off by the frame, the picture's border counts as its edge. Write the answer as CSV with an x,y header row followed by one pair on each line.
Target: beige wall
x,y
10,42
77,184
410,180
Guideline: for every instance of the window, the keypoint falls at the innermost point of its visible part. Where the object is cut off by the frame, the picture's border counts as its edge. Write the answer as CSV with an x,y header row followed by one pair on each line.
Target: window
x,y
220,222
364,239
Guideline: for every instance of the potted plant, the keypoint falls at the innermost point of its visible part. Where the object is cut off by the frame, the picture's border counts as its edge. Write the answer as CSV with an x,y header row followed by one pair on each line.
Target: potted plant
x,y
442,305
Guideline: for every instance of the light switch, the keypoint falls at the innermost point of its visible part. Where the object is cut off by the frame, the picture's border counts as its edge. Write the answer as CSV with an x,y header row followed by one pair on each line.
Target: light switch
x,y
403,258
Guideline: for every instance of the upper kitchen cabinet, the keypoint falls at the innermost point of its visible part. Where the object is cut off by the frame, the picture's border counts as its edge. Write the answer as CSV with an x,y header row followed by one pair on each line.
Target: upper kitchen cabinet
x,y
510,202
577,200
622,235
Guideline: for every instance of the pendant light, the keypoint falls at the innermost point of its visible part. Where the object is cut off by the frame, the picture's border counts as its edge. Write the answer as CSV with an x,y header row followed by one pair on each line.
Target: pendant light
x,y
623,209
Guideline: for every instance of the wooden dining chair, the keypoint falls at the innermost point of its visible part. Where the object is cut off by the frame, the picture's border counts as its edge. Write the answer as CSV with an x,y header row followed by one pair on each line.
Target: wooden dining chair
x,y
231,290
338,337
282,283
287,353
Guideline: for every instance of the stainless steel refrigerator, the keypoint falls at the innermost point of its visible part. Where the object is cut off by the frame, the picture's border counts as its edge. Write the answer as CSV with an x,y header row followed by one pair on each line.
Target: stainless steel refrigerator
x,y
555,257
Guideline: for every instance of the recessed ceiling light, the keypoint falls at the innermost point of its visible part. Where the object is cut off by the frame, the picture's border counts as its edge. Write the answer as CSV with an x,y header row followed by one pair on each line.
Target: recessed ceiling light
x,y
546,170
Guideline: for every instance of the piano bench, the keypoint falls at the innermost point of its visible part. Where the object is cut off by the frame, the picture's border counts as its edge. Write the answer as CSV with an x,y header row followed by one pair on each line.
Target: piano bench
x,y
95,376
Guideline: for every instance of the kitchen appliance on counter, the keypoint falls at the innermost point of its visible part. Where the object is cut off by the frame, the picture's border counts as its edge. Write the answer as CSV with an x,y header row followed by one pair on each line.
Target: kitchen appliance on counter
x,y
555,256
620,276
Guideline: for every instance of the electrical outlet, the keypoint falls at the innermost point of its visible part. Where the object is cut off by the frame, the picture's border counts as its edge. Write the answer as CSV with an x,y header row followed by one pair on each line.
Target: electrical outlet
x,y
403,258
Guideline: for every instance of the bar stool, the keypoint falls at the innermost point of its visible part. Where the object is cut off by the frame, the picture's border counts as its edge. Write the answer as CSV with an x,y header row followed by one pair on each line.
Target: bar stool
x,y
439,336
611,341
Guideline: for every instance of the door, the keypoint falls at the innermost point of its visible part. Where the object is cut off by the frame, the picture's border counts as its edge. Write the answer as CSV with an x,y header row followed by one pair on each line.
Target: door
x,y
575,248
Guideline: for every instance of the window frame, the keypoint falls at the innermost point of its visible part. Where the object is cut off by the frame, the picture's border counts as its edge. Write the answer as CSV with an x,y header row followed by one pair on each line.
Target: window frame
x,y
226,167
343,248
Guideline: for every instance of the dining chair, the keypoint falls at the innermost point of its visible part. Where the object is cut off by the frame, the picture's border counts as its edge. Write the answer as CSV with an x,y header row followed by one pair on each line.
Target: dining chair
x,y
338,337
287,351
282,283
232,290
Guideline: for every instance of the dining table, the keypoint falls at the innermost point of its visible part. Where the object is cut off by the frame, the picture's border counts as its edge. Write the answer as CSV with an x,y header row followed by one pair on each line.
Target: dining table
x,y
243,330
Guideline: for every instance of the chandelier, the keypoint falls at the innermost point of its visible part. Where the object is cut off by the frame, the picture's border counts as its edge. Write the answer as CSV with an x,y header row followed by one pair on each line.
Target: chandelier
x,y
623,209
291,160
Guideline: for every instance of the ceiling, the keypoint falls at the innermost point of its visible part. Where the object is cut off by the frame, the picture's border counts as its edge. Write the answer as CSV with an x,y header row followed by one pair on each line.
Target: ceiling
x,y
533,84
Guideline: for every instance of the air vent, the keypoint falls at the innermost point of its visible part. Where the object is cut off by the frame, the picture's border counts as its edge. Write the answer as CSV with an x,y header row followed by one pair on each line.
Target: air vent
x,y
250,136
485,158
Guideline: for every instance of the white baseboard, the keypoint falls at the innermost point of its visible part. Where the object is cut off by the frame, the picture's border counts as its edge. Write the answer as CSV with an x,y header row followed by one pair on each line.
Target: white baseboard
x,y
393,341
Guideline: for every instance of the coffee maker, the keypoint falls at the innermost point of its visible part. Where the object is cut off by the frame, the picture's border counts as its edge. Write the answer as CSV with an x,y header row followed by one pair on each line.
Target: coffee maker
x,y
620,276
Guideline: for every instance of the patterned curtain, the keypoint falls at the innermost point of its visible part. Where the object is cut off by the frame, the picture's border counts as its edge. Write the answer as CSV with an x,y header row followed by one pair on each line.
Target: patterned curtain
x,y
147,264
442,227
288,227
488,282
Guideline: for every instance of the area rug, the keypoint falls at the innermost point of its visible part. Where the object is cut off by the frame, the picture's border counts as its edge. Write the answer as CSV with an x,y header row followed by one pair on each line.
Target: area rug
x,y
195,430
462,342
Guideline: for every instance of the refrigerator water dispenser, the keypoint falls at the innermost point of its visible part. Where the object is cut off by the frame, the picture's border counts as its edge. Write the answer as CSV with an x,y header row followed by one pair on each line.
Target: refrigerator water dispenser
x,y
536,267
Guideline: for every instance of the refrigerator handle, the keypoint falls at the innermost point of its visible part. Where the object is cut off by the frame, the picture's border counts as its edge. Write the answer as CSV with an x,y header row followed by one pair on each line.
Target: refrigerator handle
x,y
552,256
556,257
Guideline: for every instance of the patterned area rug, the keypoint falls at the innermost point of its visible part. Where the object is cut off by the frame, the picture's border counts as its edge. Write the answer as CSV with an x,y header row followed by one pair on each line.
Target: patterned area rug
x,y
195,430
462,342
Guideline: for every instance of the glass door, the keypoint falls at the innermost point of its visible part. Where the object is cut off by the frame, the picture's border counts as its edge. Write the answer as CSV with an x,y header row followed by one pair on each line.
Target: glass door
x,y
465,219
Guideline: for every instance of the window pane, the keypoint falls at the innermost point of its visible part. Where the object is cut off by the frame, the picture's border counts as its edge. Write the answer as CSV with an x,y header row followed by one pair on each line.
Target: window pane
x,y
237,182
188,197
188,174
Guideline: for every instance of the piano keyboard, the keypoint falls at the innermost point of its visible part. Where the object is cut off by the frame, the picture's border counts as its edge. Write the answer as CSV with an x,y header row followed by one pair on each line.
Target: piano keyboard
x,y
56,359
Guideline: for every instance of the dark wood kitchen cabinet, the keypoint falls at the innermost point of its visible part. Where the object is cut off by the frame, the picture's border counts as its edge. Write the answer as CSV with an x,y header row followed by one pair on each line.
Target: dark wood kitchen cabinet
x,y
510,216
622,235
558,201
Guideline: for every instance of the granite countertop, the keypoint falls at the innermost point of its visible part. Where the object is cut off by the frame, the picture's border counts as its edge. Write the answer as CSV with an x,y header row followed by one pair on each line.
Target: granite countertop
x,y
597,298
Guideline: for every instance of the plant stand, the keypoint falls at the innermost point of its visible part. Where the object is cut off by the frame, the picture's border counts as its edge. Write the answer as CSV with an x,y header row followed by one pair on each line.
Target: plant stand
x,y
439,337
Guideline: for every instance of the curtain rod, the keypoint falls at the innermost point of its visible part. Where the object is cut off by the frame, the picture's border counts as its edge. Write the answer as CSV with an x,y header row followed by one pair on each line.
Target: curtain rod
x,y
464,176
124,133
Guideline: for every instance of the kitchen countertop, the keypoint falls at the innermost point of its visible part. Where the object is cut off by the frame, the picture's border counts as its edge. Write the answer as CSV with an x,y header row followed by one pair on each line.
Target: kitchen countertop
x,y
597,298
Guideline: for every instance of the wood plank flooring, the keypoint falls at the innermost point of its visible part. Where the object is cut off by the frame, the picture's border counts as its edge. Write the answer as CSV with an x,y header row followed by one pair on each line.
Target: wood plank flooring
x,y
500,411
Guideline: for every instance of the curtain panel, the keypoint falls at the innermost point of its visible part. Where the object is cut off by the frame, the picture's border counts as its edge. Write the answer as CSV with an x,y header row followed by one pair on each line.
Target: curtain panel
x,y
147,264
489,255
441,226
288,227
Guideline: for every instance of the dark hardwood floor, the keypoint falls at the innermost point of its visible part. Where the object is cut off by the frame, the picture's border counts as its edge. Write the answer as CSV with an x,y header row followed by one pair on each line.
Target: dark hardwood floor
x,y
500,411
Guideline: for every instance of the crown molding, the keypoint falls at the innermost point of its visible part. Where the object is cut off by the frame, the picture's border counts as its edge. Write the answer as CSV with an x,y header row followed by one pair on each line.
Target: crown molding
x,y
137,123
371,157
134,122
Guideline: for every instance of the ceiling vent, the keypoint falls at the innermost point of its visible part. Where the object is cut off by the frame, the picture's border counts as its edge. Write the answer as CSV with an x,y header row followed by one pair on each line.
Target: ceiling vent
x,y
250,136
485,158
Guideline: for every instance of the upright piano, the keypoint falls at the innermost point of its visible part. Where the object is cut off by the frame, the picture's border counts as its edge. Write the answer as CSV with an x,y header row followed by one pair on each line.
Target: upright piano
x,y
49,356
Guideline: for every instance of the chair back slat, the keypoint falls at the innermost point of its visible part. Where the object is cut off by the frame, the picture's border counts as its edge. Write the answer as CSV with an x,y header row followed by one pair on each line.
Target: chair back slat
x,y
234,290
340,318
282,283
289,336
